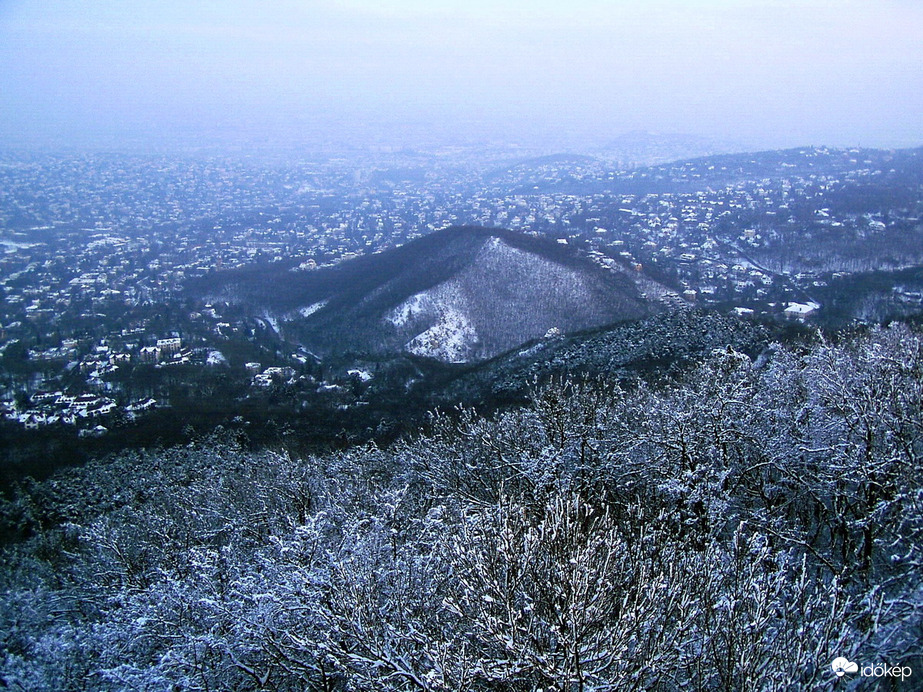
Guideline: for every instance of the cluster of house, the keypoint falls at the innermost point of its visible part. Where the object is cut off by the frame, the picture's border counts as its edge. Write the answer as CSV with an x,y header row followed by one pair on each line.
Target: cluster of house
x,y
58,408
104,360
49,408
269,376
165,352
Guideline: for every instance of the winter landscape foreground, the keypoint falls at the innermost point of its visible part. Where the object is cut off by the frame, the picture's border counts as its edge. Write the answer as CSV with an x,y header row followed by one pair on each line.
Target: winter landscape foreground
x,y
739,526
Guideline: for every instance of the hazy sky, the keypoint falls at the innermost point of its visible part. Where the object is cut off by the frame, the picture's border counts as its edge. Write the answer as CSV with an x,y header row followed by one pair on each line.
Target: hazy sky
x,y
764,73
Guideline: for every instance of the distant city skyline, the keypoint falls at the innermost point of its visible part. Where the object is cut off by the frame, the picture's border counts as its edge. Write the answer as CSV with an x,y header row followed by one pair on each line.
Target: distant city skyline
x,y
766,74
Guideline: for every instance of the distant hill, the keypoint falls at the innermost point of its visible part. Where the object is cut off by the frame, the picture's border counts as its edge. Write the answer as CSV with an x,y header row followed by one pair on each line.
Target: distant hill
x,y
648,149
699,170
900,166
456,295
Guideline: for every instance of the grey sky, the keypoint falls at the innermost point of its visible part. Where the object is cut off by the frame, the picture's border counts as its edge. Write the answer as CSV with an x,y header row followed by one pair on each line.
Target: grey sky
x,y
767,73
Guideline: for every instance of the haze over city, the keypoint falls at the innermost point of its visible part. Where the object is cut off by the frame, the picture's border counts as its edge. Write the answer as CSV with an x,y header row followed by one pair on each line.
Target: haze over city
x,y
173,74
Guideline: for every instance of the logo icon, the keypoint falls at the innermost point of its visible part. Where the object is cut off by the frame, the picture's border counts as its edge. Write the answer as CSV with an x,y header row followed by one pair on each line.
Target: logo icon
x,y
841,666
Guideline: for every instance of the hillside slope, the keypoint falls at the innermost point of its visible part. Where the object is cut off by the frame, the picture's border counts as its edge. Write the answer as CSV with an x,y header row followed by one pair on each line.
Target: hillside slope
x,y
457,295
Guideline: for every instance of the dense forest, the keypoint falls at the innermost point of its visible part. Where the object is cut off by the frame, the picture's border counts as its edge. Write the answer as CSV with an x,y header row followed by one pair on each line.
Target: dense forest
x,y
737,526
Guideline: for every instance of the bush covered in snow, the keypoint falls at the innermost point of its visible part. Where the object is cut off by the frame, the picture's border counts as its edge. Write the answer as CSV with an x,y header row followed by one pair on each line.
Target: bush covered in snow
x,y
737,529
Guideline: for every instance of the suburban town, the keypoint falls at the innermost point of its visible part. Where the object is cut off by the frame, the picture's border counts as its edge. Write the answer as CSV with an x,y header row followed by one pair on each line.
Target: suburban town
x,y
94,318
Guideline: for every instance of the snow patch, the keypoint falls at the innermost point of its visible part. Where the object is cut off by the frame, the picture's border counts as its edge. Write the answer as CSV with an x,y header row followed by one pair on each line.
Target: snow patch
x,y
451,339
271,321
413,307
363,375
216,358
311,309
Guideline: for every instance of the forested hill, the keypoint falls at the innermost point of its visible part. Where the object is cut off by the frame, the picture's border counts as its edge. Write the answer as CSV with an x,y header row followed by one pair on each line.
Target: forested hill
x,y
899,169
738,527
457,295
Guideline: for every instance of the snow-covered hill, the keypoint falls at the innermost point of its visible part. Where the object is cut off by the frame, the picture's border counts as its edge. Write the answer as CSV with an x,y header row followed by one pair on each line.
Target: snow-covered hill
x,y
458,295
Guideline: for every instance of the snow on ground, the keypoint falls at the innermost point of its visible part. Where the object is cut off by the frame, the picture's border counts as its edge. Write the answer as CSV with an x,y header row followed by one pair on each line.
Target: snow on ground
x,y
451,336
216,358
451,339
271,321
413,307
363,375
311,309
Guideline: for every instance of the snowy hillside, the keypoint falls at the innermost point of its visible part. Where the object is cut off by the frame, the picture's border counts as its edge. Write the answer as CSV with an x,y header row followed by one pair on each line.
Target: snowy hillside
x,y
504,297
458,295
